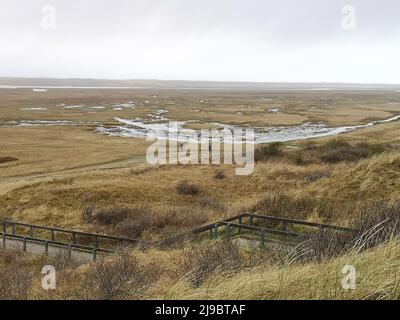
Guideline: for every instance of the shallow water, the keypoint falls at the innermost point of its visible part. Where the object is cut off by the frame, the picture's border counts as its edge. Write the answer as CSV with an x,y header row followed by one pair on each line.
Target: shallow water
x,y
164,130
33,109
29,123
159,127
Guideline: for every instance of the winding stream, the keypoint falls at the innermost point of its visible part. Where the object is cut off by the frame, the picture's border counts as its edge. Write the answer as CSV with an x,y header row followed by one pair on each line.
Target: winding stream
x,y
164,130
161,128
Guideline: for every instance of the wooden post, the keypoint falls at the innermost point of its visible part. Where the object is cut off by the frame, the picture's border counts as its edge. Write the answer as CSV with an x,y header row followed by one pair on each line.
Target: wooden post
x,y
4,234
211,233
251,222
284,226
24,244
96,239
69,251
52,235
73,237
263,239
216,231
228,231
240,222
46,248
94,254
31,231
13,229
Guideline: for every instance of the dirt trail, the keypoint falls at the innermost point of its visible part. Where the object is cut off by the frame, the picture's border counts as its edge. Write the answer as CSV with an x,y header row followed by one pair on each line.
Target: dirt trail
x,y
12,182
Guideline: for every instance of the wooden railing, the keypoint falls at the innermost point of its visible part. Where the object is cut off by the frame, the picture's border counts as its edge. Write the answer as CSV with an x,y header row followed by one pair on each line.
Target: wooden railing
x,y
287,221
93,243
263,232
98,243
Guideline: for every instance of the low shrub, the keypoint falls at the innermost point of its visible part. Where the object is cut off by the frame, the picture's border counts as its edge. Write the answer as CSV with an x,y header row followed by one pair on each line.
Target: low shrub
x,y
374,225
15,282
317,175
335,143
179,217
134,226
187,189
7,159
263,153
198,262
88,213
111,216
337,150
299,159
207,202
343,154
220,174
119,277
373,148
132,222
287,205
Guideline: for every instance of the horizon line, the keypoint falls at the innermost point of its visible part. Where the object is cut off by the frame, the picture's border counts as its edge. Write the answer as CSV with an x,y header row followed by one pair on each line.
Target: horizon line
x,y
198,81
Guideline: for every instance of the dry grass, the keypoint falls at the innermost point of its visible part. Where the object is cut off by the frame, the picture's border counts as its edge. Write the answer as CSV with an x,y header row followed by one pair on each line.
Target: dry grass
x,y
119,277
70,177
61,204
295,107
221,270
331,151
187,189
377,277
60,149
144,221
208,271
375,178
318,192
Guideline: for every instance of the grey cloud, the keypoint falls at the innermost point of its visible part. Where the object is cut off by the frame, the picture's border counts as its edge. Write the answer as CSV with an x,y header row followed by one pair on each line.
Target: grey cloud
x,y
259,40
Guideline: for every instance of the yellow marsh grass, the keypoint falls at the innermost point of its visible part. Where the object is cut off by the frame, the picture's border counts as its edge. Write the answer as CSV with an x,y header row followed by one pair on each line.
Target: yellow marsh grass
x,y
377,177
295,107
377,277
60,201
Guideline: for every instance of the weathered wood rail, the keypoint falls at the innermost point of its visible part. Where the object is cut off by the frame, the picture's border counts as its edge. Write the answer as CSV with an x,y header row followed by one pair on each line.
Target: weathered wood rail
x,y
94,243
229,224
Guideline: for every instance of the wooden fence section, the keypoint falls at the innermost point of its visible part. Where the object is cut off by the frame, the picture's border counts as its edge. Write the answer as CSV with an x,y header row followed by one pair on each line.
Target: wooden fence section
x,y
63,238
287,221
225,228
288,229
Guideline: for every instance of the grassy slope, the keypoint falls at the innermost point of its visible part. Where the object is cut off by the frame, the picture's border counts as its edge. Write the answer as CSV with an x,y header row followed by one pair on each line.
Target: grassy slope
x,y
159,275
378,177
60,201
377,277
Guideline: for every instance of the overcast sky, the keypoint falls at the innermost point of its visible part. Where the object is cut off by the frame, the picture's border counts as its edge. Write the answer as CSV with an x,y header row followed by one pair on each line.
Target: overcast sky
x,y
235,40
